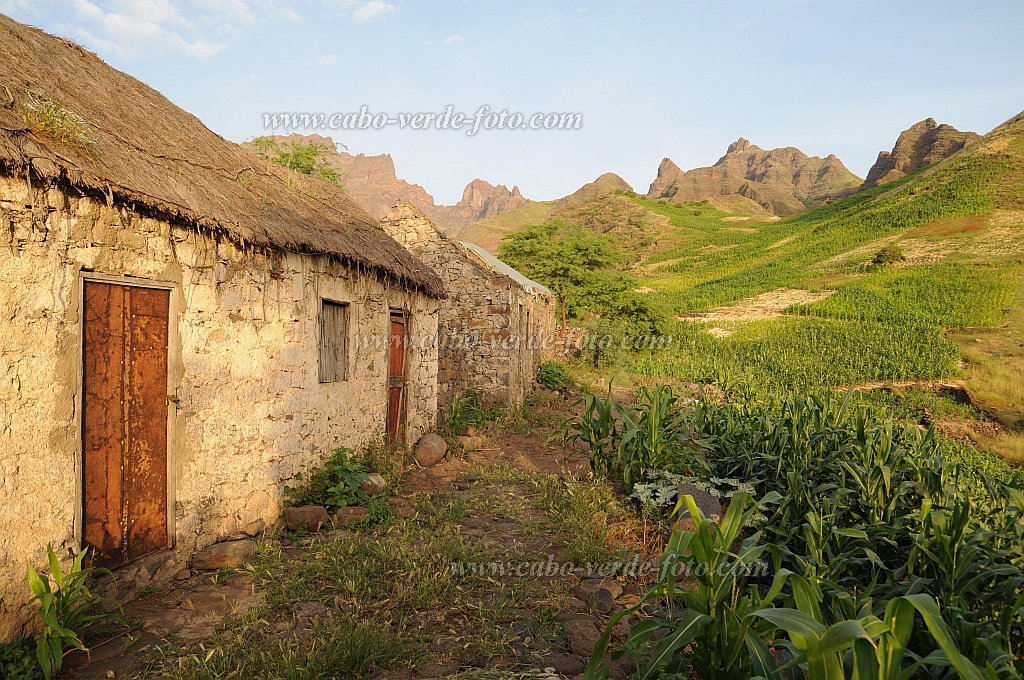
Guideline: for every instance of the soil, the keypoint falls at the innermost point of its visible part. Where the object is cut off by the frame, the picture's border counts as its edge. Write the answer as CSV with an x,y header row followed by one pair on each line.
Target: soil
x,y
191,608
768,305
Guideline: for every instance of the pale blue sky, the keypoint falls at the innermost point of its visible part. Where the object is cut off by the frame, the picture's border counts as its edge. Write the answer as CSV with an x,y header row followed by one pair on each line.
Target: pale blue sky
x,y
651,78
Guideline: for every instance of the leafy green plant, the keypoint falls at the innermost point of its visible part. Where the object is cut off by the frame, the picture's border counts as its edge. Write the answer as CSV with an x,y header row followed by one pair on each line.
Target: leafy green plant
x,y
715,637
17,662
597,428
868,646
468,409
654,436
66,606
554,375
626,442
335,483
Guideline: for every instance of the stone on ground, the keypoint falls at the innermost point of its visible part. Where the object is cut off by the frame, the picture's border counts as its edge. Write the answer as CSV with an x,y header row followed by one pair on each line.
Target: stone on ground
x,y
345,516
306,518
583,635
374,484
430,449
564,664
233,554
706,503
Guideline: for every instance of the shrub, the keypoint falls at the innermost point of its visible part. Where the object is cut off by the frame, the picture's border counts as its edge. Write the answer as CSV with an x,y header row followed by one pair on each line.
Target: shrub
x,y
334,483
554,375
468,409
891,254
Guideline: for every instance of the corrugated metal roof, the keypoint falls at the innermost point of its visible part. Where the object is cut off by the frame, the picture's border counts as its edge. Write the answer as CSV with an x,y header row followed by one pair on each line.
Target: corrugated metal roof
x,y
529,284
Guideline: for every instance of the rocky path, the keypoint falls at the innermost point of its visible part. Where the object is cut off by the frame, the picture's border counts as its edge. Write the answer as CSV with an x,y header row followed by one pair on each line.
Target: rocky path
x,y
490,567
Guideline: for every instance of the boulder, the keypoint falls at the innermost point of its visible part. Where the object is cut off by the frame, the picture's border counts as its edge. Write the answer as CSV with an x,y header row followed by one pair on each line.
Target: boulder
x,y
590,587
430,449
706,503
583,635
345,516
233,554
564,664
373,484
306,518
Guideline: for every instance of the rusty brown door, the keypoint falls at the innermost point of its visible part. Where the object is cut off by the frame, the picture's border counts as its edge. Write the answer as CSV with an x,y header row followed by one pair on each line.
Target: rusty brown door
x,y
395,426
124,421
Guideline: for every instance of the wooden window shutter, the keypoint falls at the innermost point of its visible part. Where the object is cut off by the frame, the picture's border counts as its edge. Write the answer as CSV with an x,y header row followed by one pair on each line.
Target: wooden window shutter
x,y
333,341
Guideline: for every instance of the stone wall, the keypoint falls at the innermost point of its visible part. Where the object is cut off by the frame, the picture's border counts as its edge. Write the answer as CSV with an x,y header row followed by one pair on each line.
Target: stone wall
x,y
493,330
243,361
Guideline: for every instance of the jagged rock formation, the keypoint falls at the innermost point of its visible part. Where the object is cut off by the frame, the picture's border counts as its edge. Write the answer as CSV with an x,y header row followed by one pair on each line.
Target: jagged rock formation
x,y
487,233
372,182
751,180
919,145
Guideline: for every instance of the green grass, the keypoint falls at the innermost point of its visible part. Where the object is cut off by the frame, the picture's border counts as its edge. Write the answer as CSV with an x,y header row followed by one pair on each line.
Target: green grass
x,y
780,356
952,295
784,253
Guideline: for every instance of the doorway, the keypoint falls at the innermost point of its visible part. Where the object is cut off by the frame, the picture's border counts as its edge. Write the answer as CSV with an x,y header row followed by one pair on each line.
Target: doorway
x,y
395,423
124,421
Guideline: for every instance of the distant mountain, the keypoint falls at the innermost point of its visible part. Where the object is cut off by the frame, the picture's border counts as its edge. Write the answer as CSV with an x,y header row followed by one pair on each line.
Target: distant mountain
x,y
919,145
754,181
487,233
373,183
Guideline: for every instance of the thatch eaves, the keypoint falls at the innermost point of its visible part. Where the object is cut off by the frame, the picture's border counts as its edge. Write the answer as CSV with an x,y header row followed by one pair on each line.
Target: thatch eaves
x,y
128,142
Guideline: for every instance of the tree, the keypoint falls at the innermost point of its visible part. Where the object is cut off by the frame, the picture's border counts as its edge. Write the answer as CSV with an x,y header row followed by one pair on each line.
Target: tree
x,y
569,260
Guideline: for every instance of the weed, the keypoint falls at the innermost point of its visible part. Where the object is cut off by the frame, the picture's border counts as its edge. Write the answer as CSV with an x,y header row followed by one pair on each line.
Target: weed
x,y
17,662
554,375
66,606
43,116
334,483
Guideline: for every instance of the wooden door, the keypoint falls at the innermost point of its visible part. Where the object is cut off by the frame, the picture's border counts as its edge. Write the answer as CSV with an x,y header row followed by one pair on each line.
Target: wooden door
x,y
395,425
124,421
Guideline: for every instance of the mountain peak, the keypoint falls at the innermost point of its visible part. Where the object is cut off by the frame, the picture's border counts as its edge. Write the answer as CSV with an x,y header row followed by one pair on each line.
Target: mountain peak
x,y
739,146
756,181
921,144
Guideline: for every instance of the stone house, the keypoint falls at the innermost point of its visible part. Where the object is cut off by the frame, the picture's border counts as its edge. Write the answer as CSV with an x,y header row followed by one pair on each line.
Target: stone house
x,y
183,326
494,326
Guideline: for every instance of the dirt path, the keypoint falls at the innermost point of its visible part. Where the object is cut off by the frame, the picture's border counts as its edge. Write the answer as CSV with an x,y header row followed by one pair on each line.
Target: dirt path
x,y
768,305
498,566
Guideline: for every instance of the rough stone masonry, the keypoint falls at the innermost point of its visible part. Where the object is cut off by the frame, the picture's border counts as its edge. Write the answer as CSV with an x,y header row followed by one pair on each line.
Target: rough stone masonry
x,y
243,364
494,327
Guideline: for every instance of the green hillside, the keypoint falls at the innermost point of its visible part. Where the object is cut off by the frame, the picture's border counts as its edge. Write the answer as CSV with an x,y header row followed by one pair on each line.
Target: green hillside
x,y
801,304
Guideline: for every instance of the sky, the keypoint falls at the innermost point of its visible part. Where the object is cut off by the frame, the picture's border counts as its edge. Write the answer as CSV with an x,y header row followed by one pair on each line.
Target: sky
x,y
651,79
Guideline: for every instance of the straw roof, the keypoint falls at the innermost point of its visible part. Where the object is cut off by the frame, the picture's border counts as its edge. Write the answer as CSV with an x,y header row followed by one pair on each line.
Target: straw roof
x,y
126,141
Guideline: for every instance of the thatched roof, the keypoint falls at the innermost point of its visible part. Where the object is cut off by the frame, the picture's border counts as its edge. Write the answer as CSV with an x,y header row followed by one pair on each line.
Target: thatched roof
x,y
126,141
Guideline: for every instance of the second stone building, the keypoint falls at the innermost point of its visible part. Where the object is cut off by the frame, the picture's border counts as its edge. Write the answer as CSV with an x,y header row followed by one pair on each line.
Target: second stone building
x,y
494,324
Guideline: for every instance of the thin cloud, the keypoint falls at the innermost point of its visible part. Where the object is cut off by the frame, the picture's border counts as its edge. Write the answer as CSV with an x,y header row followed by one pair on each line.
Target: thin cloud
x,y
452,39
134,28
372,10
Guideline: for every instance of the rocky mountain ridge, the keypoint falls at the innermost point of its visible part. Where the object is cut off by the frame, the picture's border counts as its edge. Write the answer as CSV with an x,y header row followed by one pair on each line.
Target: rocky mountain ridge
x,y
751,180
919,145
374,184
